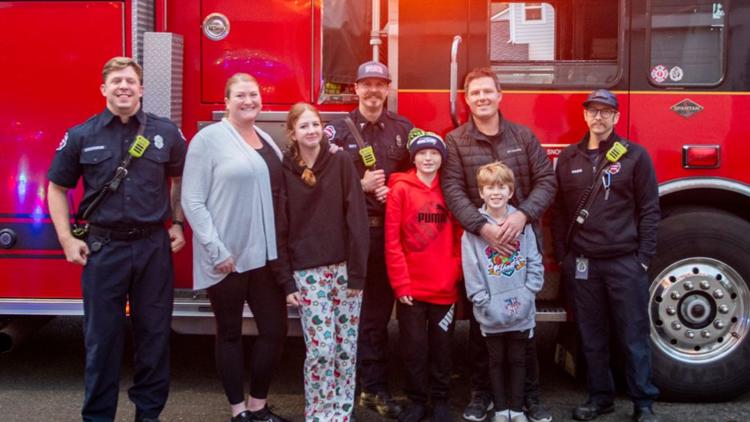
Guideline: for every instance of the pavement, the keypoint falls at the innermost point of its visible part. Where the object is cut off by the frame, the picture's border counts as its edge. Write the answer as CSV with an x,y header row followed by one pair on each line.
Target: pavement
x,y
42,380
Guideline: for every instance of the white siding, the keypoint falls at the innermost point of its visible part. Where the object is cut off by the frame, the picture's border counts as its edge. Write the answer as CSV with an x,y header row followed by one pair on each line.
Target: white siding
x,y
539,35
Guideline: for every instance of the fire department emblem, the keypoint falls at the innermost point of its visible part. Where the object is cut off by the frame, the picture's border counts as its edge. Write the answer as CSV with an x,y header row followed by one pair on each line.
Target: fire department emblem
x,y
676,74
63,142
659,73
158,142
330,132
614,168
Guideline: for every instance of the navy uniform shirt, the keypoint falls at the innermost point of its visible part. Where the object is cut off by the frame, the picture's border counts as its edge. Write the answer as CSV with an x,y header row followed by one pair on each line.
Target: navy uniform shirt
x,y
97,147
388,137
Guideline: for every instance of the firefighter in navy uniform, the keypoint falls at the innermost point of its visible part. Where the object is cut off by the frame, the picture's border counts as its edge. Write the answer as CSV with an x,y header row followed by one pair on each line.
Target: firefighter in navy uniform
x,y
605,239
126,251
380,151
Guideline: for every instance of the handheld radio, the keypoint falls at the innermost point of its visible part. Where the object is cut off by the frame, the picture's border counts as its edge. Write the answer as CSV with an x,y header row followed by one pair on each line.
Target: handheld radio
x,y
368,156
140,145
613,155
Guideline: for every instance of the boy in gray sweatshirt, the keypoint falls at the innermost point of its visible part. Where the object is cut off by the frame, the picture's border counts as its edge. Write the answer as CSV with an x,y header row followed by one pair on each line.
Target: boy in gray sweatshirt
x,y
502,290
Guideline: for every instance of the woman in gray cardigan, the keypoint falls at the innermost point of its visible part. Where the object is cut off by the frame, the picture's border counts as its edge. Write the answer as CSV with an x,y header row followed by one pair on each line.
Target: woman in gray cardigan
x,y
228,199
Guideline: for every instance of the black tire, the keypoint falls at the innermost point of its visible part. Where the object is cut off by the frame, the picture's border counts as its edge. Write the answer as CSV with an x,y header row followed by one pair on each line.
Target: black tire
x,y
696,248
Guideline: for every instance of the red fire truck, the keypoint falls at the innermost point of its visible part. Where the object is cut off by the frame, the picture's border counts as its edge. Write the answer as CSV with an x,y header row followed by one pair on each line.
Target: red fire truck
x,y
681,69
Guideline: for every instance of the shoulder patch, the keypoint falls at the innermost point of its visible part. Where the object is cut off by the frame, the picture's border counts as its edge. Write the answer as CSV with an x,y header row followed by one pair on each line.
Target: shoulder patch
x,y
330,132
63,142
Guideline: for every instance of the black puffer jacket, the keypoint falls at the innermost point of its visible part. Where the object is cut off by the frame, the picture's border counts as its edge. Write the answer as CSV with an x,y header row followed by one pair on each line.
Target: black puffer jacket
x,y
518,148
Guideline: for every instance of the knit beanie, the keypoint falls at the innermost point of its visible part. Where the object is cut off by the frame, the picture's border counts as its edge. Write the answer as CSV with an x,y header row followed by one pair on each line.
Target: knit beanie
x,y
419,140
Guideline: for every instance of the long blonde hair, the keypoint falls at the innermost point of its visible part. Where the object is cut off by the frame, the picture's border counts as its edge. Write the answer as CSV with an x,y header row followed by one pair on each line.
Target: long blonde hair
x,y
308,176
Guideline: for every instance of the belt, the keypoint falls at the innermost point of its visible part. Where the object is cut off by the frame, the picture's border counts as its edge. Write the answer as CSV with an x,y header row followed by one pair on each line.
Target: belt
x,y
375,221
125,233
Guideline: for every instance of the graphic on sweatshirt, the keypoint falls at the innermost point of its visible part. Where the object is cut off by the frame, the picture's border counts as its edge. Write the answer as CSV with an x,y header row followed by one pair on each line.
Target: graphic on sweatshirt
x,y
430,219
501,265
512,305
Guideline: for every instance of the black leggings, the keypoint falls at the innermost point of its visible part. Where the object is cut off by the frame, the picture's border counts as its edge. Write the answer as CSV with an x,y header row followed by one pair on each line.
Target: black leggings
x,y
268,305
507,353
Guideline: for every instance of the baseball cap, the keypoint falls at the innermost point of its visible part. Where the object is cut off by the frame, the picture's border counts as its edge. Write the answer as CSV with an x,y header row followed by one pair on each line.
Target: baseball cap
x,y
602,96
373,69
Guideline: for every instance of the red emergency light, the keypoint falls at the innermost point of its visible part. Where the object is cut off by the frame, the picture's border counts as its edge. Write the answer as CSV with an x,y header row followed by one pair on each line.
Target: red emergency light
x,y
700,156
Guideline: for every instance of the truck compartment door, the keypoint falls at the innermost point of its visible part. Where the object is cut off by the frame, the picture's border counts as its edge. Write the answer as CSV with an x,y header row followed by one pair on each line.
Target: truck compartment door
x,y
271,40
52,56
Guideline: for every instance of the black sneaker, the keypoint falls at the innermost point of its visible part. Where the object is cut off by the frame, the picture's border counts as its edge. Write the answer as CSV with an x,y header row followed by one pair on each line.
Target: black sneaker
x,y
414,412
644,414
441,412
263,415
381,402
589,411
241,417
480,404
538,413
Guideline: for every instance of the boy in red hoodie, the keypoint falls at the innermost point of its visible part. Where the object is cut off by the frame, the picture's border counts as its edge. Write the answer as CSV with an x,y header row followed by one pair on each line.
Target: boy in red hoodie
x,y
422,250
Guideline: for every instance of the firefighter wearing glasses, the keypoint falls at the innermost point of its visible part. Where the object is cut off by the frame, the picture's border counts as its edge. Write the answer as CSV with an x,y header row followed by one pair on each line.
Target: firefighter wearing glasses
x,y
606,215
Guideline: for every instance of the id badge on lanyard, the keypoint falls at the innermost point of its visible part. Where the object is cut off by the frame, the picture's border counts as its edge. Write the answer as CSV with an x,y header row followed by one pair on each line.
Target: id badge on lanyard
x,y
582,268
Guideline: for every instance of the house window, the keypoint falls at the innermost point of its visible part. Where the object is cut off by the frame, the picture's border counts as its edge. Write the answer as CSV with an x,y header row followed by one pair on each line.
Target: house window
x,y
562,43
533,12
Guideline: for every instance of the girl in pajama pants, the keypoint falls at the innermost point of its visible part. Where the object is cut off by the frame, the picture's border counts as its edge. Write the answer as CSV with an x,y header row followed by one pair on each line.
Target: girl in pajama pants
x,y
329,316
324,233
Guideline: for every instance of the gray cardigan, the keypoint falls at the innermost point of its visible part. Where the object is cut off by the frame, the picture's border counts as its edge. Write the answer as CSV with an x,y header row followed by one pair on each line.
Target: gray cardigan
x,y
502,289
226,197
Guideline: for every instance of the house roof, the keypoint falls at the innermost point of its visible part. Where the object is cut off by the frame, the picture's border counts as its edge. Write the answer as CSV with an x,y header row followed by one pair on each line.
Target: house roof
x,y
499,11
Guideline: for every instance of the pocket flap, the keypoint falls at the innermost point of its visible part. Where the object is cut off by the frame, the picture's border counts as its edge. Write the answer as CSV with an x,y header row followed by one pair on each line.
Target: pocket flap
x,y
95,156
156,155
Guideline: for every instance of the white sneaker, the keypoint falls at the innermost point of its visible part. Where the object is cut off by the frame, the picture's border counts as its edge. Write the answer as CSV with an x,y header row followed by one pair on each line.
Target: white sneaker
x,y
501,416
519,417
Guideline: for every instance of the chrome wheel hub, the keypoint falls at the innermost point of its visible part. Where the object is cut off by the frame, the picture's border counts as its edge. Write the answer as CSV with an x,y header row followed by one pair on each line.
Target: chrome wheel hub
x,y
698,309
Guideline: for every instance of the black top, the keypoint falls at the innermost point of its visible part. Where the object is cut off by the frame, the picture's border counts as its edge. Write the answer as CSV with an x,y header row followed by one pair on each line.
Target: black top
x,y
93,150
388,137
326,223
624,222
274,167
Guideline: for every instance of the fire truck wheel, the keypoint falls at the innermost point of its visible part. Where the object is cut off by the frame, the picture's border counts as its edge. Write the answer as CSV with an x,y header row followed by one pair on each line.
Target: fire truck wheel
x,y
699,305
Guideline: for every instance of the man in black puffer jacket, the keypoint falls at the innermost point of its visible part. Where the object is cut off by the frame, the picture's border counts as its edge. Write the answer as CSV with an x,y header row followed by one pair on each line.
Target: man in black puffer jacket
x,y
485,138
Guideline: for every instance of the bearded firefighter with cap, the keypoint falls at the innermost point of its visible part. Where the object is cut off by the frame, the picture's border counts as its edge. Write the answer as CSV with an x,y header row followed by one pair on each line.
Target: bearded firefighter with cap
x,y
376,140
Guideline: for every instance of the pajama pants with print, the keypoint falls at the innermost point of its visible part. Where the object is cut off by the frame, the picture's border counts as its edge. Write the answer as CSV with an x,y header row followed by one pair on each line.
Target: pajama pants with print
x,y
330,319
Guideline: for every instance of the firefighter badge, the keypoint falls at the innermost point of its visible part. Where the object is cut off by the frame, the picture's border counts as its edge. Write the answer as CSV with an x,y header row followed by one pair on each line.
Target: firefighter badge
x,y
158,142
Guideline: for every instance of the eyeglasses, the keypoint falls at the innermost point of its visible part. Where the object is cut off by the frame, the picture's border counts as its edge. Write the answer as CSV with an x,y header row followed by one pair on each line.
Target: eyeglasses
x,y
606,113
